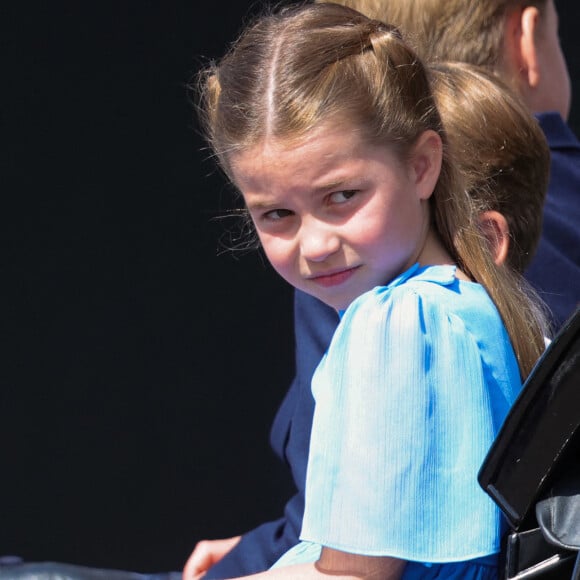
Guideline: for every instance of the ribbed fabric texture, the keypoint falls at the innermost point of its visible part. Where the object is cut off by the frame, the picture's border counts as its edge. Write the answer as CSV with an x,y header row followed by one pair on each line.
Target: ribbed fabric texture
x,y
418,378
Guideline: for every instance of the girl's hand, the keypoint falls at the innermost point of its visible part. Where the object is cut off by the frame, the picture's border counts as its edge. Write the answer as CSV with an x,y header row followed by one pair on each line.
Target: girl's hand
x,y
205,554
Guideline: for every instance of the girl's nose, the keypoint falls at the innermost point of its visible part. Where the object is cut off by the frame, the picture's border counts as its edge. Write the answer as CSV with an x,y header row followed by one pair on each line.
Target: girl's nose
x,y
318,241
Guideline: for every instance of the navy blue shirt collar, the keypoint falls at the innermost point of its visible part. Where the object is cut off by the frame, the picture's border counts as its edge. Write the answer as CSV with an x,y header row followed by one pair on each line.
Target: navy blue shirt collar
x,y
557,132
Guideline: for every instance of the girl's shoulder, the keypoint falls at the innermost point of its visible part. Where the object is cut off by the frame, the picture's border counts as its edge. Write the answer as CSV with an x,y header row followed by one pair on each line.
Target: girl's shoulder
x,y
432,291
427,303
425,310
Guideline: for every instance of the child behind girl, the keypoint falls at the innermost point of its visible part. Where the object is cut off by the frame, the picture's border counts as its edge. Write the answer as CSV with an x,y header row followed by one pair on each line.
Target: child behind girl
x,y
502,154
325,122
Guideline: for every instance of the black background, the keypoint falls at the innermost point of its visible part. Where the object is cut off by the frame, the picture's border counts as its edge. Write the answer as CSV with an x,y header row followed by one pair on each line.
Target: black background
x,y
141,368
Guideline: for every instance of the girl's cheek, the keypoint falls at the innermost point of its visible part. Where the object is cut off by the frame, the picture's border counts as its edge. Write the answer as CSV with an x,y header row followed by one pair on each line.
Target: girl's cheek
x,y
278,252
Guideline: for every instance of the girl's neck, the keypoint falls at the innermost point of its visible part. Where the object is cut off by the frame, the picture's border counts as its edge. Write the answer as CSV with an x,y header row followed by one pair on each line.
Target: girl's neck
x,y
434,253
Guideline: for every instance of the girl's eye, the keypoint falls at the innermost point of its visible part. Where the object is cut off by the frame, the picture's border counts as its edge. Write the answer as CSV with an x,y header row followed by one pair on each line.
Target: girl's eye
x,y
342,196
276,214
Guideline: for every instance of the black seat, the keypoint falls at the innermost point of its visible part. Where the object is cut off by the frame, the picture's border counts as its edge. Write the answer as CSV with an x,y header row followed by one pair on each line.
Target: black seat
x,y
532,470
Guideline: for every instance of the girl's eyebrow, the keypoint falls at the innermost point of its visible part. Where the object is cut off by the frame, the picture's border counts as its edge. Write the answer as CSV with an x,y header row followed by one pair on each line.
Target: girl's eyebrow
x,y
335,184
266,204
260,205
331,185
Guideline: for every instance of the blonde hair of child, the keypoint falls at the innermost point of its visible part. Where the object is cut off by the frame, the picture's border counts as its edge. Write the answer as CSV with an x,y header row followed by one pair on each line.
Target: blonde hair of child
x,y
470,31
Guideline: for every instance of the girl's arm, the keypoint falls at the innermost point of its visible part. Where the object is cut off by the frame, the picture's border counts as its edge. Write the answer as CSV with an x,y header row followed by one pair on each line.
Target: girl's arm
x,y
337,565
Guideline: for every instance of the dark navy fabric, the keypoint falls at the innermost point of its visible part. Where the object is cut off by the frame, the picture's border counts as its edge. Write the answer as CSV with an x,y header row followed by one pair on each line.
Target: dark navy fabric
x,y
10,569
554,272
555,269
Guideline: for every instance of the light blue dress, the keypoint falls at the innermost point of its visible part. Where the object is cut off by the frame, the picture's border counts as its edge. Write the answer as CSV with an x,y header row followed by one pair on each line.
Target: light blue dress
x,y
416,383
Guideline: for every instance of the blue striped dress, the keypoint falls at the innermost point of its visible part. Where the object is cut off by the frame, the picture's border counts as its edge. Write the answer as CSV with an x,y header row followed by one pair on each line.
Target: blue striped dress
x,y
416,383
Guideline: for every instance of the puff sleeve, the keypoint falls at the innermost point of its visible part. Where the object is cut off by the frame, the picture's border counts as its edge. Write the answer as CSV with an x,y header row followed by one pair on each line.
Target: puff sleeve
x,y
403,420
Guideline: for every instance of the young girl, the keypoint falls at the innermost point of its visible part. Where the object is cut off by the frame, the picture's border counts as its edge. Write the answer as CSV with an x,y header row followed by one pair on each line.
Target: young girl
x,y
325,122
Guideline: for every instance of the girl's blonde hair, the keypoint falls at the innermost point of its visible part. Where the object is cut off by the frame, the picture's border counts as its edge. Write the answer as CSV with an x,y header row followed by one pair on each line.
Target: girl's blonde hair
x,y
301,66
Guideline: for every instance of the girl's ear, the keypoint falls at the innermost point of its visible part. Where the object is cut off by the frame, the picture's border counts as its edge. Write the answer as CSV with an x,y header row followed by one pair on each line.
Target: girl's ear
x,y
425,165
496,230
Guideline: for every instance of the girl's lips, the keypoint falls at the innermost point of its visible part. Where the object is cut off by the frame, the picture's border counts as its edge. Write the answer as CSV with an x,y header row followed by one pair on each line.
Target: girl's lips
x,y
335,278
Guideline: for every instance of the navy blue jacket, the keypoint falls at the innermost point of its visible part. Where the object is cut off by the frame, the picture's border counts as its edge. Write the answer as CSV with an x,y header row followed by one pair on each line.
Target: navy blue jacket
x,y
555,271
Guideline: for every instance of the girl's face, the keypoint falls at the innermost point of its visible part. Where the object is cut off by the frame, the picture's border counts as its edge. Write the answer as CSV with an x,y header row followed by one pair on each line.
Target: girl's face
x,y
337,216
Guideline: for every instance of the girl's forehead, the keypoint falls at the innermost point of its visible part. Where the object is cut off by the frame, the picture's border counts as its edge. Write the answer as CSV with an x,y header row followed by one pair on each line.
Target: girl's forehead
x,y
321,134
319,160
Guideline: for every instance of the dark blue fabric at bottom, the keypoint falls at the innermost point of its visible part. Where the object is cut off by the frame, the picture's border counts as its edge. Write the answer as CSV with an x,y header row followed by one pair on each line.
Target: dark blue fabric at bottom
x,y
480,569
11,570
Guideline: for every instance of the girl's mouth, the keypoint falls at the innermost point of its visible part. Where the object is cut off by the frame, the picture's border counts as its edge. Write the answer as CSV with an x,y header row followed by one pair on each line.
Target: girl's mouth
x,y
334,278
